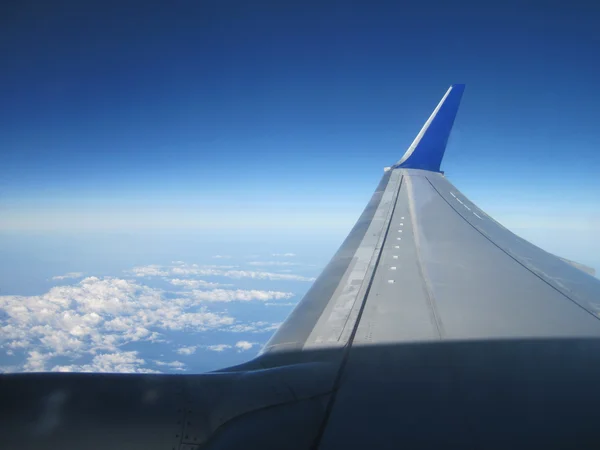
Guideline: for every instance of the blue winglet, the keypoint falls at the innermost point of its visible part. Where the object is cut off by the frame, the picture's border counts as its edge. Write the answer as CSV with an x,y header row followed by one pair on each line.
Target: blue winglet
x,y
427,150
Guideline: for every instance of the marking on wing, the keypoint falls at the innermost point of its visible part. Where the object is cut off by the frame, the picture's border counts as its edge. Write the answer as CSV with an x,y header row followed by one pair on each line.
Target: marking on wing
x,y
465,205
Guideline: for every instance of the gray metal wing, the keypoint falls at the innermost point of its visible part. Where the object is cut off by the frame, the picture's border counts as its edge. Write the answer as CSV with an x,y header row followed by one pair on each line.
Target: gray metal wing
x,y
424,263
432,326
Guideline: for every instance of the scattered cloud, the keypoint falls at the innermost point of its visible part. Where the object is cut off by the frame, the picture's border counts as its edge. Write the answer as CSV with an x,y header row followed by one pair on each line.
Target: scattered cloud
x,y
189,270
254,327
152,270
284,255
221,256
176,365
194,284
280,304
216,266
272,263
9,369
36,361
96,316
242,346
68,276
116,362
190,350
265,275
87,323
226,295
218,347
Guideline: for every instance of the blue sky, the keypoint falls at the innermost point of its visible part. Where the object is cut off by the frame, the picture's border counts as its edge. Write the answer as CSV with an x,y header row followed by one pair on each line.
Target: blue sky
x,y
177,105
137,135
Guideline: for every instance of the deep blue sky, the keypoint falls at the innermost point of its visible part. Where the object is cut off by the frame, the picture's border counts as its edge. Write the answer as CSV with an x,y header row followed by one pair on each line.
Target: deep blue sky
x,y
126,114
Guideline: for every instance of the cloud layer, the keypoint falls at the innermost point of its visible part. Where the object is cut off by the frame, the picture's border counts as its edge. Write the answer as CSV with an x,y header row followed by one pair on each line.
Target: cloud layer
x,y
230,295
123,362
68,275
96,317
240,346
187,270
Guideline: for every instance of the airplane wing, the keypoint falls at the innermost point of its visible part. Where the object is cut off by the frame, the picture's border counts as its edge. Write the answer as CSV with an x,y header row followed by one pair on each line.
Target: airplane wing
x,y
432,326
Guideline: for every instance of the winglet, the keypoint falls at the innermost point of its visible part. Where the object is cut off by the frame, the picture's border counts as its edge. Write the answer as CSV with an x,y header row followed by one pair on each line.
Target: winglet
x,y
427,150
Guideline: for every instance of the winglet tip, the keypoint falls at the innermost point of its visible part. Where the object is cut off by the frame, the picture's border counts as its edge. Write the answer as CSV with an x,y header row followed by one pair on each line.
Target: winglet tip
x,y
427,150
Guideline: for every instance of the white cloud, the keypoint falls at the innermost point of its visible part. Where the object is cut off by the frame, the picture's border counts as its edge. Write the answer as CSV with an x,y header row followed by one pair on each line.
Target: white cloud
x,y
152,270
96,316
117,362
177,365
272,263
211,270
254,327
68,275
218,347
193,284
17,343
264,275
187,350
58,340
36,361
284,255
225,295
9,369
244,345
280,304
222,256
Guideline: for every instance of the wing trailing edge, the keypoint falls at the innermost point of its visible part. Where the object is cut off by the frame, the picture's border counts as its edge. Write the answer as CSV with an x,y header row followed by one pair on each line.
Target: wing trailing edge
x,y
427,150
